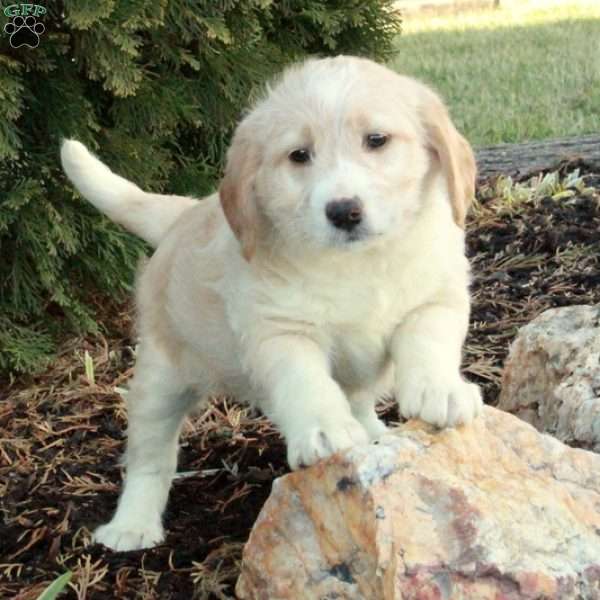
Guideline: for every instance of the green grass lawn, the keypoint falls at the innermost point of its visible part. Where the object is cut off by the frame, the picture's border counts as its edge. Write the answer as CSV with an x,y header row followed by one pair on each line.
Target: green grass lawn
x,y
514,74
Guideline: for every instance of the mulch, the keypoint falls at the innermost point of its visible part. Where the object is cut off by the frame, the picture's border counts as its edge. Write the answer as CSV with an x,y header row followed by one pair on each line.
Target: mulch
x,y
532,247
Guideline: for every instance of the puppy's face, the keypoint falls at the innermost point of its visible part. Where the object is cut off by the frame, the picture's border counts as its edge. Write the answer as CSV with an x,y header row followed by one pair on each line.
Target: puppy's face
x,y
335,156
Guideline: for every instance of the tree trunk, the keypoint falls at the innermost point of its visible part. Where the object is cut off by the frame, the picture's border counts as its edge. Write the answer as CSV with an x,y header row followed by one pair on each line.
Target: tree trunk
x,y
526,159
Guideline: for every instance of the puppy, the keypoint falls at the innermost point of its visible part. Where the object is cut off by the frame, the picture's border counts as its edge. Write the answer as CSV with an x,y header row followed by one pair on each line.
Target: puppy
x,y
327,271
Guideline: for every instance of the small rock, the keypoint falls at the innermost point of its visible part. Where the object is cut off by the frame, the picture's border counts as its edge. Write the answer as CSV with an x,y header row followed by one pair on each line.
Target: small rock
x,y
492,511
552,375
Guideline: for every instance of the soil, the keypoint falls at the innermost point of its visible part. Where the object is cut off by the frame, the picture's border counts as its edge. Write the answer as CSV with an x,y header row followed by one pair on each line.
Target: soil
x,y
61,433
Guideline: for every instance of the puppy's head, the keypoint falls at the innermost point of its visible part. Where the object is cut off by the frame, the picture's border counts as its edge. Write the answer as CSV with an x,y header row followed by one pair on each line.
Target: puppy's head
x,y
337,155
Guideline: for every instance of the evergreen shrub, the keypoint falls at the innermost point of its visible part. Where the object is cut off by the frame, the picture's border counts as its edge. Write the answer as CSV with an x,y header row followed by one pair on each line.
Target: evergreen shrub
x,y
155,88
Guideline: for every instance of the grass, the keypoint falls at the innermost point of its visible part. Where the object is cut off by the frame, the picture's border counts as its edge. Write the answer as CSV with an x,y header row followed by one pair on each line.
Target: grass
x,y
56,587
528,71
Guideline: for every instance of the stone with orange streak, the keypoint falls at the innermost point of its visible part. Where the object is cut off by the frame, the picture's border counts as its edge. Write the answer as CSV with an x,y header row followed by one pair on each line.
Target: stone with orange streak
x,y
492,511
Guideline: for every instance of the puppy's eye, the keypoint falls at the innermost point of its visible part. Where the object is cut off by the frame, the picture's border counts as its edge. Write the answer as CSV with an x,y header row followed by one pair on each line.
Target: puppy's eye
x,y
376,140
301,155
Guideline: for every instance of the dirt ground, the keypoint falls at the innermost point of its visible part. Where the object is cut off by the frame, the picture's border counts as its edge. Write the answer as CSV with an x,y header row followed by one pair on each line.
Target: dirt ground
x,y
61,433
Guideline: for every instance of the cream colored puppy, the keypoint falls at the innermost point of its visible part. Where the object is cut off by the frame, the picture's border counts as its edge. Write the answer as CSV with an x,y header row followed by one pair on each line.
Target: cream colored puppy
x,y
328,270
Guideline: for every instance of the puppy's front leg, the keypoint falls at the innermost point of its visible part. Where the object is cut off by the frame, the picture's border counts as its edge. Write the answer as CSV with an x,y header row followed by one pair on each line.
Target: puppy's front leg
x,y
302,399
427,349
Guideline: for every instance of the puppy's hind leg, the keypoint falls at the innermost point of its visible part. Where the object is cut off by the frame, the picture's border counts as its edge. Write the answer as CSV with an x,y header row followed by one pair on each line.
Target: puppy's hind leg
x,y
363,400
362,404
157,404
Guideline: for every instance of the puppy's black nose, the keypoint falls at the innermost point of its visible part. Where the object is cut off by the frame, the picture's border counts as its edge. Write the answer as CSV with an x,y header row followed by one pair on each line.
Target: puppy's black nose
x,y
344,213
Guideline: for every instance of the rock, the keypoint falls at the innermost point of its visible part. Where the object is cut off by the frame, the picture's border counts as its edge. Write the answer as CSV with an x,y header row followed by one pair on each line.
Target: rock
x,y
492,511
552,375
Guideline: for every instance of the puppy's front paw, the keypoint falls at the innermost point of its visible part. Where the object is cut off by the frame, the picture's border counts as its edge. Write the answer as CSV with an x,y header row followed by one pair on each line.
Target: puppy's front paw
x,y
322,440
444,401
122,536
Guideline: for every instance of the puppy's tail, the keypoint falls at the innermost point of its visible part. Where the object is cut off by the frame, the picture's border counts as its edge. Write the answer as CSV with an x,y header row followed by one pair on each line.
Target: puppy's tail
x,y
149,216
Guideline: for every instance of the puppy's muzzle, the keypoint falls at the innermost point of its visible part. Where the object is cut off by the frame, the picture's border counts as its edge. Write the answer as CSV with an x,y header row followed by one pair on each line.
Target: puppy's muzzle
x,y
344,213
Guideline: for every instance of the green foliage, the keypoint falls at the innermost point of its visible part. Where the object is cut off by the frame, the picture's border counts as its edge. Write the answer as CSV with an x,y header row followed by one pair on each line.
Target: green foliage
x,y
58,586
154,86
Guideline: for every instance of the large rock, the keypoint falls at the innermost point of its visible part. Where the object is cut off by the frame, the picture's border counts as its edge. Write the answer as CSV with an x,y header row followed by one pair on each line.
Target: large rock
x,y
552,375
493,511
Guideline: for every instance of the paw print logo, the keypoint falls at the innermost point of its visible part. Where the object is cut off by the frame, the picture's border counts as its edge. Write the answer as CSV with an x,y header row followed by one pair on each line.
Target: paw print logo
x,y
24,31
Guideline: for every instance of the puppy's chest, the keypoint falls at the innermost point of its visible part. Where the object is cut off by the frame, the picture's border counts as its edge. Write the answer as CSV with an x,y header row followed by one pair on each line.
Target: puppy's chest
x,y
363,305
360,356
359,333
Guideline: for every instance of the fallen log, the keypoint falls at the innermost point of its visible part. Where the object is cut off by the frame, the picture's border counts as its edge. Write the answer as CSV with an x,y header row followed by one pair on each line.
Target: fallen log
x,y
522,160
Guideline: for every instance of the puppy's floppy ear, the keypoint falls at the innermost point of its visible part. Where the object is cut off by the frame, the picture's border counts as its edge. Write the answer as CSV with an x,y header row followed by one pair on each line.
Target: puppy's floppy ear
x,y
453,152
236,191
